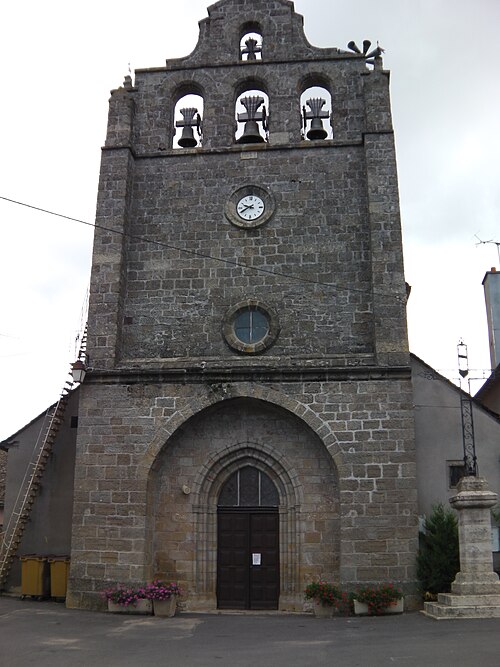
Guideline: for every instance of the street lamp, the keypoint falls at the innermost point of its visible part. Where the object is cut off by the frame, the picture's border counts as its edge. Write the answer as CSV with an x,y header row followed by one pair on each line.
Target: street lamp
x,y
78,370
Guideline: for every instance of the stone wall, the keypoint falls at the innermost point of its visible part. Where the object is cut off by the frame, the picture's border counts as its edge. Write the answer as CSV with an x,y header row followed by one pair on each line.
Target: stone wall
x,y
176,301
347,446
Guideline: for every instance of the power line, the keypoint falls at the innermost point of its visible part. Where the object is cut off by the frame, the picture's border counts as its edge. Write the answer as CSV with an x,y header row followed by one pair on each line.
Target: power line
x,y
197,253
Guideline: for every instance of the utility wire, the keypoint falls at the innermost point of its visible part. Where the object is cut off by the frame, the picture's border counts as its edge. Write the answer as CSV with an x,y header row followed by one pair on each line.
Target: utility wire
x,y
197,253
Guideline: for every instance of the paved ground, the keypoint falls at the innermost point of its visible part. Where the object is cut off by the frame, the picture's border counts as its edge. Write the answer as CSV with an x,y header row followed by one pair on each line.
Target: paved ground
x,y
46,633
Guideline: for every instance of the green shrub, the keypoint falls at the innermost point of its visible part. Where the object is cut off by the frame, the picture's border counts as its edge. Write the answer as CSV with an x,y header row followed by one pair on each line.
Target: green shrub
x,y
438,559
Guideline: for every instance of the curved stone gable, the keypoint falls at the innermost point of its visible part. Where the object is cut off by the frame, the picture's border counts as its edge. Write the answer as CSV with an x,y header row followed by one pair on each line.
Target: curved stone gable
x,y
282,30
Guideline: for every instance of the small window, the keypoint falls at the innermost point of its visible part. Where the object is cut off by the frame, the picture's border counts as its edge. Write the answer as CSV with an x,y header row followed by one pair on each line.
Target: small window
x,y
455,473
250,327
249,487
74,421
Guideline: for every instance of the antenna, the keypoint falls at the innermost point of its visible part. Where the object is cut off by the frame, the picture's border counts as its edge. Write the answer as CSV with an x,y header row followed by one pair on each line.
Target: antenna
x,y
491,241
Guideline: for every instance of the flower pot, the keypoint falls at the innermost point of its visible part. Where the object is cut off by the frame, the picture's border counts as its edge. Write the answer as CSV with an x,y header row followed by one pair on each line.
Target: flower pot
x,y
322,610
165,608
361,608
140,607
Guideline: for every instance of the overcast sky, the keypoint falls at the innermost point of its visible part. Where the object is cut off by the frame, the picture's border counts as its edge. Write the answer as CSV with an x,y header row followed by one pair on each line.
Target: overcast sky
x,y
59,61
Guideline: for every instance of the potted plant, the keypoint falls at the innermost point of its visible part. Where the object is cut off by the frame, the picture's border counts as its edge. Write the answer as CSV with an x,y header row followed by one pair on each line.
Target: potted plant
x,y
377,600
325,596
164,597
126,600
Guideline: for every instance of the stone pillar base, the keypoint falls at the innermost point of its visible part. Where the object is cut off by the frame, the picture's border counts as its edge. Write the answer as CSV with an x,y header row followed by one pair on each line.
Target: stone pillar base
x,y
487,585
463,606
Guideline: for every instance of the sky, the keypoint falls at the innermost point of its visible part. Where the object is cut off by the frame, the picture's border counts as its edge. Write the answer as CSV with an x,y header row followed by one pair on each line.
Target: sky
x,y
60,60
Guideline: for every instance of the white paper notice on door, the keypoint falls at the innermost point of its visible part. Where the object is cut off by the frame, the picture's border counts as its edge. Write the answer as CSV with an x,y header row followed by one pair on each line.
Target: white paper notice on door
x,y
256,559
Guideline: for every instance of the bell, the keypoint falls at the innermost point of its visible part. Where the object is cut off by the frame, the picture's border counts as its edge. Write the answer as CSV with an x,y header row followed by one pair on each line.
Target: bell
x,y
317,130
251,134
187,139
251,49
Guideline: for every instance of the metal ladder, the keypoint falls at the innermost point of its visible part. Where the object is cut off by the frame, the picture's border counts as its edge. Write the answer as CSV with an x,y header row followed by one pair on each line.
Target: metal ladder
x,y
30,485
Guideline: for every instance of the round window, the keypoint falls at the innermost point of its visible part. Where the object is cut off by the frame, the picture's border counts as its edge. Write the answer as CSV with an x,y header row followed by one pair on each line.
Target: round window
x,y
250,327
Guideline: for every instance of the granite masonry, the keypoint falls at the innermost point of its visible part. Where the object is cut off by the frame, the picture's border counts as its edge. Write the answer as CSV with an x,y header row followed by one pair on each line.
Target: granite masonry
x,y
272,347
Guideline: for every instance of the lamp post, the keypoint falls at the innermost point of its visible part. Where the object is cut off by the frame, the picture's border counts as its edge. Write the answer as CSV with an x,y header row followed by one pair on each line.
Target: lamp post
x,y
468,439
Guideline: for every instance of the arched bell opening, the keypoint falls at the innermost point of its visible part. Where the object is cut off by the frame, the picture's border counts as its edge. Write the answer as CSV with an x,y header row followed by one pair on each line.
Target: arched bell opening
x,y
251,115
251,43
188,121
316,113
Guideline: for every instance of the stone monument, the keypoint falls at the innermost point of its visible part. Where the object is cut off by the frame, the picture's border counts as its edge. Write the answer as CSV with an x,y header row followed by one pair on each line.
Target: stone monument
x,y
475,593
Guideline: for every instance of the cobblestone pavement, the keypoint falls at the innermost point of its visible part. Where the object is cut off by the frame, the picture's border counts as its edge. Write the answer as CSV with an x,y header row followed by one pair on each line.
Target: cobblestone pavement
x,y
46,633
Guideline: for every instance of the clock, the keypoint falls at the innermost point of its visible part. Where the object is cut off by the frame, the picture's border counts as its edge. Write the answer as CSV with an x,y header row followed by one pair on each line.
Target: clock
x,y
249,206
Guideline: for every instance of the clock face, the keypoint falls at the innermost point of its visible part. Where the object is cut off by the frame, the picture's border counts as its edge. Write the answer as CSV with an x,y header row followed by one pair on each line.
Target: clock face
x,y
250,207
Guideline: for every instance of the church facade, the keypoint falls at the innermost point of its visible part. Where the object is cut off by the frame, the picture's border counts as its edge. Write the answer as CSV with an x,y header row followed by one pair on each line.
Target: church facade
x,y
246,425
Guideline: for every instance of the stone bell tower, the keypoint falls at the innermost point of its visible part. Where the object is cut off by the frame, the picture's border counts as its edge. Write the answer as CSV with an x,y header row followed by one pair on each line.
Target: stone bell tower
x,y
246,425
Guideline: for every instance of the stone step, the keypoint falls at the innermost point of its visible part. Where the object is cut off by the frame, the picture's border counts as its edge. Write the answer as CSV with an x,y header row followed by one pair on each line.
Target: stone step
x,y
449,599
445,612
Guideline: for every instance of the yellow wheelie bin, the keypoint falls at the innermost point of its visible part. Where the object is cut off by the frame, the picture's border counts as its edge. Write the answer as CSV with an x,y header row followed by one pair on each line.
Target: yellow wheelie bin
x,y
34,576
59,571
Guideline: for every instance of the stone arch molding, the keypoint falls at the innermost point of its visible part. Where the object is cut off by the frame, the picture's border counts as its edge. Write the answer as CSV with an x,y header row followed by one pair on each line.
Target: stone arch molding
x,y
239,390
222,464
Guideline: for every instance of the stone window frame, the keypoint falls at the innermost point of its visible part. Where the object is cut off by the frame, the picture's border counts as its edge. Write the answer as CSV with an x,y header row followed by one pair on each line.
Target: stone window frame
x,y
261,345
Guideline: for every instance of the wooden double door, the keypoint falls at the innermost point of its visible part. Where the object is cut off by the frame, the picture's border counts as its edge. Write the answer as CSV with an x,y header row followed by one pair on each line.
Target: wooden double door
x,y
248,559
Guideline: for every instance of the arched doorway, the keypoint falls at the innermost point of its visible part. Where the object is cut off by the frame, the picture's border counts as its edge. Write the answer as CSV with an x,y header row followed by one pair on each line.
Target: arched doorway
x,y
248,572
185,495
